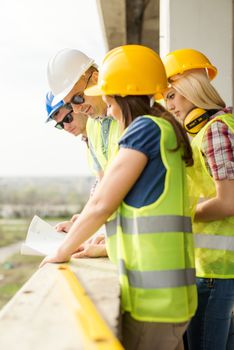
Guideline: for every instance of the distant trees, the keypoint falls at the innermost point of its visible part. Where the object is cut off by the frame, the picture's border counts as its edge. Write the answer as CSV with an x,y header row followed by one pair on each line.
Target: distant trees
x,y
46,196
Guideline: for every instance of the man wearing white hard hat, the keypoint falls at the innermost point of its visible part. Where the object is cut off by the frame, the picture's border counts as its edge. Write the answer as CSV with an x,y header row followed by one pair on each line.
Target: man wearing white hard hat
x,y
69,73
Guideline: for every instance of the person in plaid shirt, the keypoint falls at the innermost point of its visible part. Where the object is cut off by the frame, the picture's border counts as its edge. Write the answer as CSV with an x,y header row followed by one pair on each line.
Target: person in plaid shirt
x,y
221,139
196,103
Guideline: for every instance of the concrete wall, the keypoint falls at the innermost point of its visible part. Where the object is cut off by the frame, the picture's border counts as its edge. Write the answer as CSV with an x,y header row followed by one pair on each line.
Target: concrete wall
x,y
118,15
150,27
113,17
205,25
52,311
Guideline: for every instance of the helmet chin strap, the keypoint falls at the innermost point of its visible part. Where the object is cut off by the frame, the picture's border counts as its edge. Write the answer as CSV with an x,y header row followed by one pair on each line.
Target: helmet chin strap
x,y
196,119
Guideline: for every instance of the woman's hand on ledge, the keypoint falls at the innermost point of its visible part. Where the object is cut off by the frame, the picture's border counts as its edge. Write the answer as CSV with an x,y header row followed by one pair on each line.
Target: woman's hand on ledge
x,y
91,250
57,258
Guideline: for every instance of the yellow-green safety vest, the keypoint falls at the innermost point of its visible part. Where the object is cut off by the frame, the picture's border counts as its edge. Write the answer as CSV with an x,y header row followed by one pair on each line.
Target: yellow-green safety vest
x,y
214,240
103,135
154,246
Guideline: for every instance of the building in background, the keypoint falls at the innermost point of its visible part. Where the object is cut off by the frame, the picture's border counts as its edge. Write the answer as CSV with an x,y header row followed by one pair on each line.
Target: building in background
x,y
167,25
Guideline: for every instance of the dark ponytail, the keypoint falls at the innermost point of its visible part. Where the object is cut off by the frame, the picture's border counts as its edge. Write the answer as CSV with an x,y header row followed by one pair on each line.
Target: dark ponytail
x,y
135,106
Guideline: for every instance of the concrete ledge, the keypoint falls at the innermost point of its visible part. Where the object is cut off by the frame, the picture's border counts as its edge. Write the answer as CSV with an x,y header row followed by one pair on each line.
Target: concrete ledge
x,y
38,316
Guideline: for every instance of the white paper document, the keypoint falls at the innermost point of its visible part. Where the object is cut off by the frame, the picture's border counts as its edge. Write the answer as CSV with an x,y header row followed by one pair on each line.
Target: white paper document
x,y
42,238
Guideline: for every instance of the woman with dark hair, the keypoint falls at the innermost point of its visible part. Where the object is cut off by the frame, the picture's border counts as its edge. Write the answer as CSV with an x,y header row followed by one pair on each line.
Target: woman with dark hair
x,y
149,237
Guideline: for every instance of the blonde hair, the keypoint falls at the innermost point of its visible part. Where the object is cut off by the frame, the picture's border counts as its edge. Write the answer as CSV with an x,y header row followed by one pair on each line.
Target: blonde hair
x,y
195,86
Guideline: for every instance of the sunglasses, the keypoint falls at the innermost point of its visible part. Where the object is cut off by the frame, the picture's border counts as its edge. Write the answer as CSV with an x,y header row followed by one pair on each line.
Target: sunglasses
x,y
67,119
67,106
79,99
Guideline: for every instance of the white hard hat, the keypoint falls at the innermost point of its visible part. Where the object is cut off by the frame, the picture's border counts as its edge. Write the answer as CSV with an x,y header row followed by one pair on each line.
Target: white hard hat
x,y
64,70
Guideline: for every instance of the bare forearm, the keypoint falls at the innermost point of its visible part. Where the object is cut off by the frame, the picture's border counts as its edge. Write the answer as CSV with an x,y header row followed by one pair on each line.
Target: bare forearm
x,y
213,209
111,191
89,221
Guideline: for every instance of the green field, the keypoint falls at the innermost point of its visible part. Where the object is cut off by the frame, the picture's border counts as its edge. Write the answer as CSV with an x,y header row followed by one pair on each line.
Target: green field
x,y
17,269
14,272
13,230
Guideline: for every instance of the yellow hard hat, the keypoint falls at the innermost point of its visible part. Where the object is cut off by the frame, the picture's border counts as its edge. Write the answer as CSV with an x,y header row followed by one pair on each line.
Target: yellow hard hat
x,y
180,61
130,70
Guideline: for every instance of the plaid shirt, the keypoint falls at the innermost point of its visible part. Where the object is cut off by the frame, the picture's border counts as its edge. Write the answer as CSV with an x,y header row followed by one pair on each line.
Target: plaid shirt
x,y
218,149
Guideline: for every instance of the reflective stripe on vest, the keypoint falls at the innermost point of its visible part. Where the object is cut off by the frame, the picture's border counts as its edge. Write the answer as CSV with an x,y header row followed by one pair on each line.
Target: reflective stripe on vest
x,y
97,165
218,242
158,279
154,224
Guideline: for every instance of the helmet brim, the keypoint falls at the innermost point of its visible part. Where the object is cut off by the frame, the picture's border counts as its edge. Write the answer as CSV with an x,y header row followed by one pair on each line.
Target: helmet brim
x,y
48,119
61,95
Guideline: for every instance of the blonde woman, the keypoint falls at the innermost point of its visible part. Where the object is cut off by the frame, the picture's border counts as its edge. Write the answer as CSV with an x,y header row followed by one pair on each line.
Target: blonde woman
x,y
198,106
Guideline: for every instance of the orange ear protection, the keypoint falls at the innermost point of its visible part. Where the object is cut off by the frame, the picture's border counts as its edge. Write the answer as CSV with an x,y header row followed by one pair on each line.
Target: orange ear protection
x,y
196,119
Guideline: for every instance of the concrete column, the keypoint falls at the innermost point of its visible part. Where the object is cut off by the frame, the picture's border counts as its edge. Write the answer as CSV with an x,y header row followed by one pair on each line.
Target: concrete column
x,y
113,19
205,26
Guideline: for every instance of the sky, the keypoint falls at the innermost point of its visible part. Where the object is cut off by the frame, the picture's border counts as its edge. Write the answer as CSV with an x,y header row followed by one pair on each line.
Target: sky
x,y
31,32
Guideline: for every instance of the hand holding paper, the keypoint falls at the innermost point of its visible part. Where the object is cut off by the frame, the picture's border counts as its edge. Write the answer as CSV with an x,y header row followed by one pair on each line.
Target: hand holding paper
x,y
42,238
